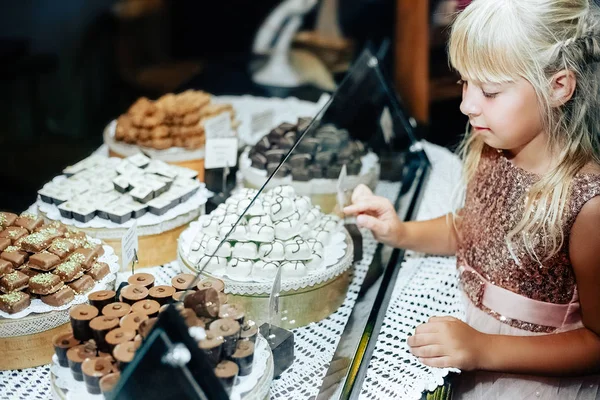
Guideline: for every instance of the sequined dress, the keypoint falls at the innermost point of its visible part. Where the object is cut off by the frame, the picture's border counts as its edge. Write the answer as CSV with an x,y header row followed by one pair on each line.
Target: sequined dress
x,y
524,299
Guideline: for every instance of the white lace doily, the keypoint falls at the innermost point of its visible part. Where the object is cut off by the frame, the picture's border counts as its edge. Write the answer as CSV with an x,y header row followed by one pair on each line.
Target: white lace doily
x,y
246,387
9,323
369,174
337,258
426,286
148,224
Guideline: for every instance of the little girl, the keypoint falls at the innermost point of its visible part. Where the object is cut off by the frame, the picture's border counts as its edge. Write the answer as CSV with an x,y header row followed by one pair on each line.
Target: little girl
x,y
527,240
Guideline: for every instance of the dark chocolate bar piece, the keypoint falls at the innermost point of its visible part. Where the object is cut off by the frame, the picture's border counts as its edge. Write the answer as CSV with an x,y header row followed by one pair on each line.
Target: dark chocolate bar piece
x,y
275,156
258,161
7,219
300,161
324,158
99,270
316,172
44,261
301,174
308,146
14,255
59,298
263,145
13,282
14,302
45,284
333,172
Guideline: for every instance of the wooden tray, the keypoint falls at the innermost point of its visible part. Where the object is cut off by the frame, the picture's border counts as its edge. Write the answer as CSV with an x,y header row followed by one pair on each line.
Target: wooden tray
x,y
28,351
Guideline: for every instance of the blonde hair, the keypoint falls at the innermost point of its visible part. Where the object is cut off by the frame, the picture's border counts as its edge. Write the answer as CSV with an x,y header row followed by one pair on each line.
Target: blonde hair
x,y
500,41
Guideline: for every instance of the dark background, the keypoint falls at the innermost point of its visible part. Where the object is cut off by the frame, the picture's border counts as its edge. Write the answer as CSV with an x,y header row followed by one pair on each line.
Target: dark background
x,y
67,67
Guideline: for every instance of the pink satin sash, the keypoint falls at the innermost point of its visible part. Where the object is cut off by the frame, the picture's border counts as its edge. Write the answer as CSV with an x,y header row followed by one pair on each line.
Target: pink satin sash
x,y
515,306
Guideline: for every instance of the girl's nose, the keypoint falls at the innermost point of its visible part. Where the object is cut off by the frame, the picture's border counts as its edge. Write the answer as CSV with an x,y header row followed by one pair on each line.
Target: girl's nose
x,y
469,104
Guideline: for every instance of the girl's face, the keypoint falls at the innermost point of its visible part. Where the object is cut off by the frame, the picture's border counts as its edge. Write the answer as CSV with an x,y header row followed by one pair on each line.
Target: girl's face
x,y
505,115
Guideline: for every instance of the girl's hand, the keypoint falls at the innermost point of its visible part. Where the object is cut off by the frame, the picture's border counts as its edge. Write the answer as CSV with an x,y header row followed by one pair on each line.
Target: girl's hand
x,y
445,342
377,214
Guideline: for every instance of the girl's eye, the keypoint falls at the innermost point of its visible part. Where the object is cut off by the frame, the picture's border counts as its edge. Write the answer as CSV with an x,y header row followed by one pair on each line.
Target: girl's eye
x,y
461,82
489,95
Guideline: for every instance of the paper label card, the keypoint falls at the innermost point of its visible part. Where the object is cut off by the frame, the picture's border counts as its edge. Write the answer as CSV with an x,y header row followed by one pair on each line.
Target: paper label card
x,y
129,246
219,127
262,121
221,153
341,188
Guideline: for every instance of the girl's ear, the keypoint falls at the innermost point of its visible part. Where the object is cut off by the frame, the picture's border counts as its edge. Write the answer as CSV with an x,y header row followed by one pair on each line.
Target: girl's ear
x,y
563,86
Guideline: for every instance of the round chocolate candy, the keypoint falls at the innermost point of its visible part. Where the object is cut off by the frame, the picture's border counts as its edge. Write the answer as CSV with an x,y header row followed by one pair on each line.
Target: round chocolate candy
x,y
116,309
205,302
80,316
162,294
108,382
77,355
212,347
249,331
227,371
101,298
141,279
124,353
118,336
244,356
214,283
63,342
100,327
230,331
132,293
94,369
133,320
148,307
190,318
232,311
178,296
183,281
146,326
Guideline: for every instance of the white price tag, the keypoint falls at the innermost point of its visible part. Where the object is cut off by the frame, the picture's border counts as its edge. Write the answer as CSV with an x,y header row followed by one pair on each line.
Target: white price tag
x,y
219,126
262,121
129,243
221,153
387,125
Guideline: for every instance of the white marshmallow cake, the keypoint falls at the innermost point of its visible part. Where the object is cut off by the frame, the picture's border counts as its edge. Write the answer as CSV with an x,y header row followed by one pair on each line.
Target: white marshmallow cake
x,y
279,230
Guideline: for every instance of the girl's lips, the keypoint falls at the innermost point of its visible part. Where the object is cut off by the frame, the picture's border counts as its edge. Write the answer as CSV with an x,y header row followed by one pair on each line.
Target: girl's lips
x,y
480,128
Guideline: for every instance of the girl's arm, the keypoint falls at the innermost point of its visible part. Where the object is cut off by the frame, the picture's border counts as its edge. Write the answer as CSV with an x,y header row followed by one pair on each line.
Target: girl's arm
x,y
448,342
436,236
